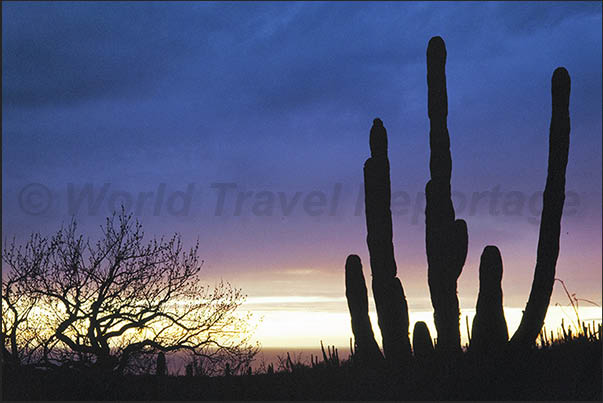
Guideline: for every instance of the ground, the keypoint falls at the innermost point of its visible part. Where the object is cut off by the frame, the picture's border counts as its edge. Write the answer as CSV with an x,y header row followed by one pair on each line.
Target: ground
x,y
566,371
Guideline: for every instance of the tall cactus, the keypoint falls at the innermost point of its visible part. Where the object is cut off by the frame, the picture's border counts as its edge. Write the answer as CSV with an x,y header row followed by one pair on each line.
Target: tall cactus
x,y
489,331
446,238
552,209
390,301
421,340
161,367
367,349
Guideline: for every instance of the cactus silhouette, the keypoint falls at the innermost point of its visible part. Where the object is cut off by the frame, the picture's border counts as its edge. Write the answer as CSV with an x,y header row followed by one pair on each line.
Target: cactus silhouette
x,y
421,340
446,238
366,351
489,331
331,360
161,368
390,301
552,209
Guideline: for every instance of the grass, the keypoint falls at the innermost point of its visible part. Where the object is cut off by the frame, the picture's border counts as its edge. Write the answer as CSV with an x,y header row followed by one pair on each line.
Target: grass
x,y
563,369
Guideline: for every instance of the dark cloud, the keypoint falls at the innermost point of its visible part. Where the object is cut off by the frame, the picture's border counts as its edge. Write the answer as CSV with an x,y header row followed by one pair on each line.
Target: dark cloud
x,y
264,56
526,17
57,54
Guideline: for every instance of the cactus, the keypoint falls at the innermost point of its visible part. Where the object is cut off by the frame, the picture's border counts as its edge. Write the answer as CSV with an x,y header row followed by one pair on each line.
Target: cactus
x,y
188,369
489,331
161,368
544,342
390,301
289,363
332,360
367,350
421,340
552,209
446,238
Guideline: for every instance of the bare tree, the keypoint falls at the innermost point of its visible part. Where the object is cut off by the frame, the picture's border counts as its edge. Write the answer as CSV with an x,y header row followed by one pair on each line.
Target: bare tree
x,y
107,304
20,329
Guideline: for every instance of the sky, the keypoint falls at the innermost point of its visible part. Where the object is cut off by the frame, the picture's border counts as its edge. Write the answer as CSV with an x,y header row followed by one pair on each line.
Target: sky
x,y
246,125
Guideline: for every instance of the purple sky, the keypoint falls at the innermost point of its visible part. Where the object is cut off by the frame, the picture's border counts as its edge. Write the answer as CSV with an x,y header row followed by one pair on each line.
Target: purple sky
x,y
280,98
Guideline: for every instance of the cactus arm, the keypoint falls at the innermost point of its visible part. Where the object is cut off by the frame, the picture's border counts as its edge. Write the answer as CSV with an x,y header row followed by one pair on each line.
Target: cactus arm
x,y
367,349
552,210
421,340
446,239
390,301
489,331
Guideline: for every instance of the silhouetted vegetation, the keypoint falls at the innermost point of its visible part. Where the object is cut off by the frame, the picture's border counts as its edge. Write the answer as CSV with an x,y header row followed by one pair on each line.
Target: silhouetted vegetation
x,y
112,305
367,350
446,238
552,210
422,346
564,369
390,301
489,332
161,369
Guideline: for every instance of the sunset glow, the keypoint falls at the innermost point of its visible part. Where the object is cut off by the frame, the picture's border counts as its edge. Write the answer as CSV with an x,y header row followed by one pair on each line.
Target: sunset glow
x,y
306,329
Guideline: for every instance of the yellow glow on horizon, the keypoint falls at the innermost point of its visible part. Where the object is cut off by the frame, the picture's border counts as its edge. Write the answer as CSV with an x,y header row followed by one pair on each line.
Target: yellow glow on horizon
x,y
305,329
303,321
